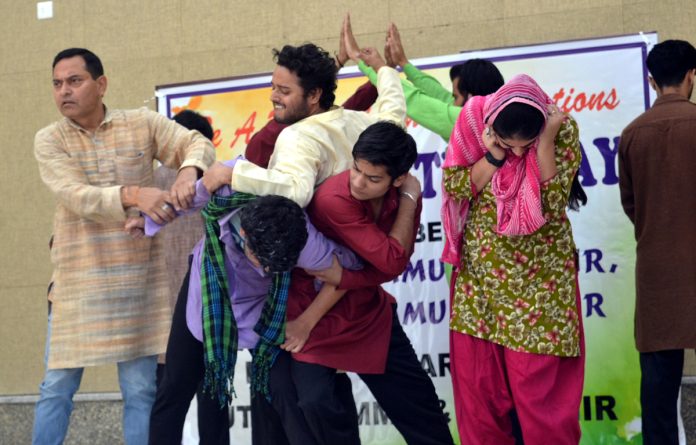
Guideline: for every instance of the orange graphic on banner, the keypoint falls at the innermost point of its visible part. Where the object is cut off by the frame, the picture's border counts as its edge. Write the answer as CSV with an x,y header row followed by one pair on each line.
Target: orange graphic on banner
x,y
194,103
237,115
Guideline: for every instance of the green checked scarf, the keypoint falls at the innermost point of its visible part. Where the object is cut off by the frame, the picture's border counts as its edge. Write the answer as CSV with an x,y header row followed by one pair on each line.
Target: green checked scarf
x,y
271,330
219,326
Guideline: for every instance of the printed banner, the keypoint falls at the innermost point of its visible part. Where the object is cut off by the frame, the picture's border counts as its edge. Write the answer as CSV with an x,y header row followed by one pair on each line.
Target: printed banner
x,y
603,84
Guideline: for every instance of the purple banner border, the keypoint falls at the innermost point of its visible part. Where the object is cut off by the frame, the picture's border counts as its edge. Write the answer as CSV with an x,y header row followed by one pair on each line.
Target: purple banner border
x,y
641,45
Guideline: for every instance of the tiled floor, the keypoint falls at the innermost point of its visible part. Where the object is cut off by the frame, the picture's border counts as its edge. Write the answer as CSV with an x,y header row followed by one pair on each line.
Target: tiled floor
x,y
96,423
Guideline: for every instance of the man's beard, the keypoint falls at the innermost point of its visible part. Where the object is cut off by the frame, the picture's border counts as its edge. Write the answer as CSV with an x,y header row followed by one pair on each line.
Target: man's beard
x,y
293,115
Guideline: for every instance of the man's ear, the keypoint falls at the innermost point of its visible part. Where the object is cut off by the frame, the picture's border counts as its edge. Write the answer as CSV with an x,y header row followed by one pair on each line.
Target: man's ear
x,y
653,84
400,180
314,96
102,83
242,232
689,76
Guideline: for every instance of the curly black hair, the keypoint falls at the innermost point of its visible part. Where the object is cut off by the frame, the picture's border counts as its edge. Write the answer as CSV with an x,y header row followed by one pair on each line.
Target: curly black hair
x,y
314,67
276,231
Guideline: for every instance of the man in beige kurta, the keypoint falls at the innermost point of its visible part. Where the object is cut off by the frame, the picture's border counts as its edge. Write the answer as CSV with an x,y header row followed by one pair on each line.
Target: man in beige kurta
x,y
109,299
657,176
319,142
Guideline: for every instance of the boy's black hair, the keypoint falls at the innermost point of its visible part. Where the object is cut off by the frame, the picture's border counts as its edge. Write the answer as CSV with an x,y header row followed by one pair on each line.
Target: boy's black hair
x,y
454,71
387,144
92,63
478,77
314,67
275,231
194,121
669,61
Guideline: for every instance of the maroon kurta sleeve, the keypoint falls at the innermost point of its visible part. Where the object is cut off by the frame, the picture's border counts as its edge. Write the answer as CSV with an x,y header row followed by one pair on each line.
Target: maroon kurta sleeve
x,y
354,335
350,222
260,147
373,276
362,99
368,276
346,220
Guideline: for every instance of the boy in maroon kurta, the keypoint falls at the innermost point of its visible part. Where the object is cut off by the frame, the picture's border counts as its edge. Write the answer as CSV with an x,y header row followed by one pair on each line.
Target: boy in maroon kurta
x,y
373,209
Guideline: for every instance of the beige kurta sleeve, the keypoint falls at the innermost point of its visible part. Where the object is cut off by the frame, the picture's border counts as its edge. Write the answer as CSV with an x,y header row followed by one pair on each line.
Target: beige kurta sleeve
x,y
67,180
390,104
297,156
293,174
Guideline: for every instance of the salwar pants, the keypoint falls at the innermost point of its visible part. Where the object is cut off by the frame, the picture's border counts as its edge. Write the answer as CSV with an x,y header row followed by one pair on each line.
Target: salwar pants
x,y
490,381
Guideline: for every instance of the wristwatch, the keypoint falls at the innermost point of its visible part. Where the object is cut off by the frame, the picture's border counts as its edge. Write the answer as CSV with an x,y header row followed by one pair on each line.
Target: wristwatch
x,y
497,163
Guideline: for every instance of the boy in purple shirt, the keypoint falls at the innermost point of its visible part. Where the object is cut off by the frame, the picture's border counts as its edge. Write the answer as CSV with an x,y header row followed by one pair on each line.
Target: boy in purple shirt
x,y
276,228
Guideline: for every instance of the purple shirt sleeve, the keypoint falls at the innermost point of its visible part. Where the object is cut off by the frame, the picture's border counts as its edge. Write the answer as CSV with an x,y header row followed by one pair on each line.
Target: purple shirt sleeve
x,y
200,199
317,252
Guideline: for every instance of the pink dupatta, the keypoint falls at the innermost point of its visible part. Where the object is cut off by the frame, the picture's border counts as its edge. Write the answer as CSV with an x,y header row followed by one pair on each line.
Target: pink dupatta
x,y
516,185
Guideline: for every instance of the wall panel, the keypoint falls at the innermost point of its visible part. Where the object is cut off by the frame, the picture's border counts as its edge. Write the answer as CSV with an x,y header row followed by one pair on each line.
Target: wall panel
x,y
143,44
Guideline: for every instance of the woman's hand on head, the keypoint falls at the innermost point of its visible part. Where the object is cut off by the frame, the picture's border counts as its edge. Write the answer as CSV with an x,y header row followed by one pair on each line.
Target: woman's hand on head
x,y
490,141
554,120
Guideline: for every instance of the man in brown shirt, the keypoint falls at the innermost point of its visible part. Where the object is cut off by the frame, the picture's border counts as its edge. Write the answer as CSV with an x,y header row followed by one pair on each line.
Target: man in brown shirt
x,y
657,176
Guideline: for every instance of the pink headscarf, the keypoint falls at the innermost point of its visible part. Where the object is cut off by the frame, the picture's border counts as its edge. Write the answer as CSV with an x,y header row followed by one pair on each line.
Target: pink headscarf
x,y
516,185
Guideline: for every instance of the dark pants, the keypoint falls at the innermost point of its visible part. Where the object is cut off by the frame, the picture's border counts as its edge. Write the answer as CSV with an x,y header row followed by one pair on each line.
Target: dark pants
x,y
661,374
405,393
209,430
280,421
181,377
326,400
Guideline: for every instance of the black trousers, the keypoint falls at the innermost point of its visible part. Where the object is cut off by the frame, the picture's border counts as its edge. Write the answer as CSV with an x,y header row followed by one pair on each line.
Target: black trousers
x,y
405,393
209,429
180,379
661,374
280,421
